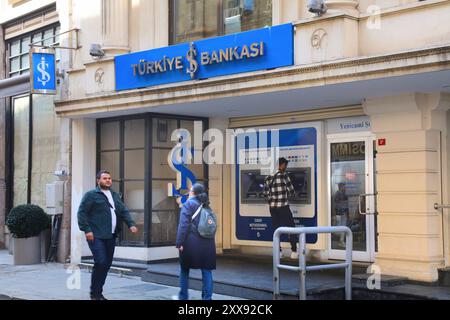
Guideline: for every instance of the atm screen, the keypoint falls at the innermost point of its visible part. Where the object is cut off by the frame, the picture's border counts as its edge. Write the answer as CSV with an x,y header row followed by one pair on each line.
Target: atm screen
x,y
252,186
301,180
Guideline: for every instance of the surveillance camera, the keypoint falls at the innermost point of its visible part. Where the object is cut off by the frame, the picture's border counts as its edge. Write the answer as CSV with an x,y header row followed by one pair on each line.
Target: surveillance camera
x,y
96,50
317,6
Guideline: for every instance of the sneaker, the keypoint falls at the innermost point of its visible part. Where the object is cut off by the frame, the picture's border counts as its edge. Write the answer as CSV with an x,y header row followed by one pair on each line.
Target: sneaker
x,y
294,255
175,297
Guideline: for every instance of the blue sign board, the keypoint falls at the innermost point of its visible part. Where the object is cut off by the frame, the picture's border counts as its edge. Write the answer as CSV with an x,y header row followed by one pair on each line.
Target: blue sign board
x,y
261,49
43,72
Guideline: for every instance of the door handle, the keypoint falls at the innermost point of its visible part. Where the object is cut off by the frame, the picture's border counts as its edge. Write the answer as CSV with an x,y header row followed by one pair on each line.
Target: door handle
x,y
359,202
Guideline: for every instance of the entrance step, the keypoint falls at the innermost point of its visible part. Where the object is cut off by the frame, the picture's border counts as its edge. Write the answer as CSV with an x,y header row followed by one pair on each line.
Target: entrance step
x,y
385,280
444,277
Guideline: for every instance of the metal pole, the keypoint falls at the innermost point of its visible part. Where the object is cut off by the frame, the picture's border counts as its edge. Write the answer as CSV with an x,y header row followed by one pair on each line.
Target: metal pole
x,y
302,265
441,206
276,262
348,260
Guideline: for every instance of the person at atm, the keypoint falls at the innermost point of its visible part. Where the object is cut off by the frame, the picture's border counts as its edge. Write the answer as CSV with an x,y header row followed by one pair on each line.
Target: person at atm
x,y
277,189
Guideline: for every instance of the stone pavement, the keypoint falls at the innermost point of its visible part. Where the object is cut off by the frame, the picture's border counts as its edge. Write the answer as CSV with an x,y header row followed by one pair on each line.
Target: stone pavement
x,y
55,281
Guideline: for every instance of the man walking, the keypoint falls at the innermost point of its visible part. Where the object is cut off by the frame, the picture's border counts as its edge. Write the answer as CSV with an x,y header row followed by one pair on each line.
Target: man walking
x,y
277,188
99,217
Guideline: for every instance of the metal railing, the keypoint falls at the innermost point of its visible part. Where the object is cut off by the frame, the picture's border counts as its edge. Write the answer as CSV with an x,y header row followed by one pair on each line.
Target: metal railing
x,y
302,268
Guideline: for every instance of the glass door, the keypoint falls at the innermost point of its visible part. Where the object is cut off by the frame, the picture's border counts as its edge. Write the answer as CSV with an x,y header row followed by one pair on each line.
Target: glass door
x,y
351,195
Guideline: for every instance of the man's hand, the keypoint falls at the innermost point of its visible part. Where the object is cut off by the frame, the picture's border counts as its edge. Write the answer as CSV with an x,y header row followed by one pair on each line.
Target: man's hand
x,y
90,236
181,249
134,229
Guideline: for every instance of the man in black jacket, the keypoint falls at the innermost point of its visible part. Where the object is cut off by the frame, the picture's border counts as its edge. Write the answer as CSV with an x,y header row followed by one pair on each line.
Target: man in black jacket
x,y
99,217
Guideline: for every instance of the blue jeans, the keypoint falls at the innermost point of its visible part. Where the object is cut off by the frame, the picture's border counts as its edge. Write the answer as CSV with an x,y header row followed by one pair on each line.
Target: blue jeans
x,y
103,251
207,288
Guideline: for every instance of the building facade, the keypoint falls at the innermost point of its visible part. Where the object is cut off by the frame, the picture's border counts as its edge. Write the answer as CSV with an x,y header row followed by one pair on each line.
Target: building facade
x,y
34,141
362,109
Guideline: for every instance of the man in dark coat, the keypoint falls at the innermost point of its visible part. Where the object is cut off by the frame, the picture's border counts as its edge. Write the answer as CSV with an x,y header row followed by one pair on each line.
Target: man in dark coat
x,y
99,217
196,252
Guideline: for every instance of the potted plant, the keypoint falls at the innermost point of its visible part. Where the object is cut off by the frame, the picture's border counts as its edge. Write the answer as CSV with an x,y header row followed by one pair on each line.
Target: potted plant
x,y
26,222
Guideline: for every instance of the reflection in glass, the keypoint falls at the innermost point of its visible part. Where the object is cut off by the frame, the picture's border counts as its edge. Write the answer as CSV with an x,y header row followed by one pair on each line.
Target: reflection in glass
x,y
21,141
347,183
135,164
135,134
46,146
135,201
110,161
160,165
195,19
160,198
110,135
162,131
15,48
164,227
15,64
244,15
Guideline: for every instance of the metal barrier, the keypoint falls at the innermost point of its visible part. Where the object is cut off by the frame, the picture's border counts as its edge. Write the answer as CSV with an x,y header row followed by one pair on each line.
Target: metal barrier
x,y
302,268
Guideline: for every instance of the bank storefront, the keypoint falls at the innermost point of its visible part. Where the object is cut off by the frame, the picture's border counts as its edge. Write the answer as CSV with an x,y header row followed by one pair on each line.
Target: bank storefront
x,y
344,126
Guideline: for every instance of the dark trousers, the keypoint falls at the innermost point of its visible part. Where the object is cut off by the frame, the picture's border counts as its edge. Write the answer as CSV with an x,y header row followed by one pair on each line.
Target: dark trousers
x,y
282,217
103,251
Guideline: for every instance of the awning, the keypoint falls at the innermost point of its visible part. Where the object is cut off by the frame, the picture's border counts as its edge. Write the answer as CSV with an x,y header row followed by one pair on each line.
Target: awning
x,y
14,86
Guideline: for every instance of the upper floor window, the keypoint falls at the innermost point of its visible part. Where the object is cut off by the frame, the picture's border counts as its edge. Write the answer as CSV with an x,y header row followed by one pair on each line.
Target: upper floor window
x,y
18,48
197,19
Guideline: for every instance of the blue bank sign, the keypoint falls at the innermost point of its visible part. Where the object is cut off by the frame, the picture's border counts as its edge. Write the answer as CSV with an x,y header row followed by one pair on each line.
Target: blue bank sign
x,y
43,71
261,49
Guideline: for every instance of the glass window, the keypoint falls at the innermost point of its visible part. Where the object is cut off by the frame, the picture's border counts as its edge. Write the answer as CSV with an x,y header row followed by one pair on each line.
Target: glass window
x,y
347,183
15,48
135,134
15,64
110,135
19,62
123,148
46,147
198,19
134,164
21,114
243,15
110,161
165,214
195,19
25,45
135,200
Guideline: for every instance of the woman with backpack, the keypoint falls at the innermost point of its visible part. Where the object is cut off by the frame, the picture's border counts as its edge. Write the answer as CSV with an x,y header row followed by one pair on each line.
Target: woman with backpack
x,y
196,251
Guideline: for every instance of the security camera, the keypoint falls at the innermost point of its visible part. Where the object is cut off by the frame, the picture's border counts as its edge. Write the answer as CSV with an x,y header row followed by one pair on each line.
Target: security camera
x,y
96,51
317,6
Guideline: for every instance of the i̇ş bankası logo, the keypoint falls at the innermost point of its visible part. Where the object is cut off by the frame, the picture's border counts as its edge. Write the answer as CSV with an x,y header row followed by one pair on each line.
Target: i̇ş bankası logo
x,y
194,59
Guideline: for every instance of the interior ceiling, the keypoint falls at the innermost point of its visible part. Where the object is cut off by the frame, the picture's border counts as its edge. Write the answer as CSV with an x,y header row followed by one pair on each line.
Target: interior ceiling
x,y
351,93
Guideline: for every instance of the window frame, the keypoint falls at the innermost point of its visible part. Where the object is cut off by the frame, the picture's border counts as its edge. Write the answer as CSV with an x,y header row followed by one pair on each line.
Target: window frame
x,y
148,175
55,35
220,20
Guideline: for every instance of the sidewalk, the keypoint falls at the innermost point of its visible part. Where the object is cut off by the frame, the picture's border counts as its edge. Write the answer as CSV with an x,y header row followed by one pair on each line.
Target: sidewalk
x,y
53,281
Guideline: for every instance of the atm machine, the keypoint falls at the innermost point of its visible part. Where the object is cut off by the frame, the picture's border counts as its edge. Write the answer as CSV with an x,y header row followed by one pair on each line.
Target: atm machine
x,y
299,147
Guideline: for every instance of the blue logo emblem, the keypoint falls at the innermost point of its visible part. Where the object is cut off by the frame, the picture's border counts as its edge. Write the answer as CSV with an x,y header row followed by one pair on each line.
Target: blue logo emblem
x,y
43,72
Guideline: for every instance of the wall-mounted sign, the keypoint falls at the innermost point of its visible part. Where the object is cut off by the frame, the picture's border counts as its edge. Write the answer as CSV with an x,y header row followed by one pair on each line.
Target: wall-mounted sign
x,y
345,125
43,71
261,49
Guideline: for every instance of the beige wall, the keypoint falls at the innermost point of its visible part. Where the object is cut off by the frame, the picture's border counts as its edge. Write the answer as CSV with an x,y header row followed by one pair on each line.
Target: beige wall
x,y
409,171
10,11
